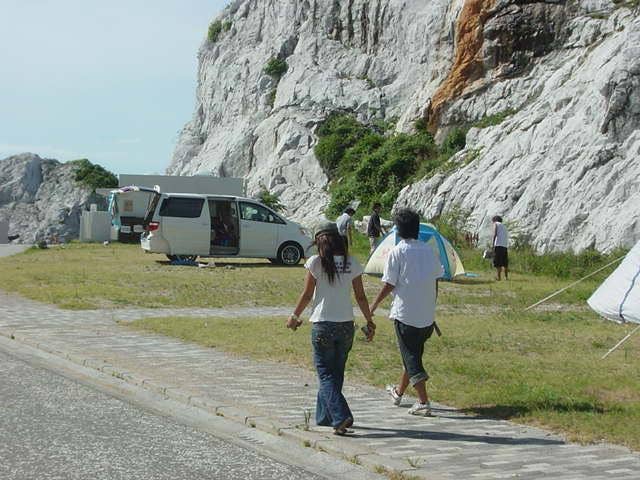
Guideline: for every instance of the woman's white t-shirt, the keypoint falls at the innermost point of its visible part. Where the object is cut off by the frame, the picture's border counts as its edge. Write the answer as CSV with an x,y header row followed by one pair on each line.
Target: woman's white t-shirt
x,y
332,301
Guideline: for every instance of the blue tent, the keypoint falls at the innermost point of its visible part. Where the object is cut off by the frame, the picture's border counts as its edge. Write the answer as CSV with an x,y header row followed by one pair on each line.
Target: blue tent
x,y
443,249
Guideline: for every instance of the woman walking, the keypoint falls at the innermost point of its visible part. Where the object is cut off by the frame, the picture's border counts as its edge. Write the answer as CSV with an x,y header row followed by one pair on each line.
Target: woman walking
x,y
331,275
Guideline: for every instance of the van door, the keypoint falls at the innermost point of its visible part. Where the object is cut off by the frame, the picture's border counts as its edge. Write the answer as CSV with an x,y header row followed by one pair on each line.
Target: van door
x,y
259,231
185,225
225,226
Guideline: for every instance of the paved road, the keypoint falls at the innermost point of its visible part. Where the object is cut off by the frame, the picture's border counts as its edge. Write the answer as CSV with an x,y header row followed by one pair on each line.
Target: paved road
x,y
7,249
55,428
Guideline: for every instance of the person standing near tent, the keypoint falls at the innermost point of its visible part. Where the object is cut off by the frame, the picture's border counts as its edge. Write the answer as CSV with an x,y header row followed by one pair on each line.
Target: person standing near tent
x,y
500,244
411,273
345,225
331,275
374,228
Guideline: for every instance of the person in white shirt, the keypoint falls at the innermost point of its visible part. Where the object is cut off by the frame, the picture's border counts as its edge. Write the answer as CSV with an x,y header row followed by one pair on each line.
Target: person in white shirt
x,y
500,248
345,225
331,275
411,275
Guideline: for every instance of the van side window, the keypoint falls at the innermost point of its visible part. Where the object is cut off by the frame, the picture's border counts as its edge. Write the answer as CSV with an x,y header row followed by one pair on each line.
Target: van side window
x,y
181,207
257,213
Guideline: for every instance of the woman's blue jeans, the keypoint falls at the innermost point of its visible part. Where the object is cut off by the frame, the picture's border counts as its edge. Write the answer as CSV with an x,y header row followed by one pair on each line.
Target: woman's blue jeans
x,y
331,342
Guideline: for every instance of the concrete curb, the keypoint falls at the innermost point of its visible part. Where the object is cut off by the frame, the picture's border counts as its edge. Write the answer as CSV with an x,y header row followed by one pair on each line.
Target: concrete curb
x,y
297,434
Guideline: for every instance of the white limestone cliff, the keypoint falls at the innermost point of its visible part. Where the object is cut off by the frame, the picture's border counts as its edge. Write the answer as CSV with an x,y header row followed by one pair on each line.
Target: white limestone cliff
x,y
40,198
564,166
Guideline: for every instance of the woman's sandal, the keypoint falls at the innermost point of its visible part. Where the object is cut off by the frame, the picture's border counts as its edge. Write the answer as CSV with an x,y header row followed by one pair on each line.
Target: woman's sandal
x,y
342,429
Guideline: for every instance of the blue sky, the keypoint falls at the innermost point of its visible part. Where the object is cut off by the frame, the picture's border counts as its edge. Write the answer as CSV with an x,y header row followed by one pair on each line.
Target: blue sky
x,y
112,81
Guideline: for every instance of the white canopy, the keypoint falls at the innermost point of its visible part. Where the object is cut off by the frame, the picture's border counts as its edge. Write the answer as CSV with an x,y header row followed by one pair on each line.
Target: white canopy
x,y
618,298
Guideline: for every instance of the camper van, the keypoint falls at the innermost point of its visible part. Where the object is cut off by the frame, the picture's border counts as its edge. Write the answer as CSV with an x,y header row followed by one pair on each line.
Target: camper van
x,y
186,226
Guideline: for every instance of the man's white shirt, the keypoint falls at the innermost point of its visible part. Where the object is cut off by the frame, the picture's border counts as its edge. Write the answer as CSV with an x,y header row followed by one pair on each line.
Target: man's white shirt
x,y
413,268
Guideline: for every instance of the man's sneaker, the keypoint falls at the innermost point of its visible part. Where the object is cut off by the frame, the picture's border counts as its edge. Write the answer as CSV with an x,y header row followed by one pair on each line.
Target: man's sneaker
x,y
423,409
395,396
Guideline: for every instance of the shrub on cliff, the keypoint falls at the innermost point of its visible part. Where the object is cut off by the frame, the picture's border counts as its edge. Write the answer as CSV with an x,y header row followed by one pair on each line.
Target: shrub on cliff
x,y
271,200
215,29
93,176
366,163
276,67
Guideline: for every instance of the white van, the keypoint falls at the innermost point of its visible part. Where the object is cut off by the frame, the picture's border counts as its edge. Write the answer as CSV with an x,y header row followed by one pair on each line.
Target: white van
x,y
187,226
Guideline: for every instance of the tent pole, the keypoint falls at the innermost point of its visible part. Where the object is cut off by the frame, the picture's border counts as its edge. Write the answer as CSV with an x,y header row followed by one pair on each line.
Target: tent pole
x,y
573,284
620,342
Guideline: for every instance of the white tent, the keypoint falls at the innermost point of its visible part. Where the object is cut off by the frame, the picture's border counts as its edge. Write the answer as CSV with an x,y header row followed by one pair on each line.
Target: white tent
x,y
618,297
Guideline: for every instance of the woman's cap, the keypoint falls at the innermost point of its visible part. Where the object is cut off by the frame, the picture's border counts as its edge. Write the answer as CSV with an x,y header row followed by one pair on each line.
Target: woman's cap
x,y
326,227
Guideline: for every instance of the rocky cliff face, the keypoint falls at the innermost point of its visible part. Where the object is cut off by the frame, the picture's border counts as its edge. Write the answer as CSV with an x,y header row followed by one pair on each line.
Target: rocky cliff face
x,y
367,57
40,198
564,164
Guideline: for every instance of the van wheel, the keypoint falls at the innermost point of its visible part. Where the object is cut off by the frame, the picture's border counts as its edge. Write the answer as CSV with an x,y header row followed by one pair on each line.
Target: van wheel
x,y
290,254
189,258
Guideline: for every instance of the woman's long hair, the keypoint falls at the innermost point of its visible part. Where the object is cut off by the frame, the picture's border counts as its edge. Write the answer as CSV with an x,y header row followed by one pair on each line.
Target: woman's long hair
x,y
328,245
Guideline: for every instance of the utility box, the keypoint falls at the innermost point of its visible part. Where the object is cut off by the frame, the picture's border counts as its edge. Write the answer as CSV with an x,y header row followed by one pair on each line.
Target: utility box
x,y
95,226
4,231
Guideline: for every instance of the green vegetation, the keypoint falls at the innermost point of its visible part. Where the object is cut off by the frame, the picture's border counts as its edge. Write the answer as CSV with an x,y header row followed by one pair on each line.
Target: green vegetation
x,y
271,200
93,176
89,276
215,29
226,25
276,67
495,119
371,163
627,3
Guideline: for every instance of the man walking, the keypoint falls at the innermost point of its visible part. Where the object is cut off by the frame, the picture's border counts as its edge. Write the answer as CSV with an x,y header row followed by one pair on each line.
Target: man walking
x,y
345,225
411,274
374,228
500,244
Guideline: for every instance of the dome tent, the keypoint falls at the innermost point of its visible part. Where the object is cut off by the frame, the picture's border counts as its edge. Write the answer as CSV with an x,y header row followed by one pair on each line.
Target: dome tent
x,y
618,297
443,249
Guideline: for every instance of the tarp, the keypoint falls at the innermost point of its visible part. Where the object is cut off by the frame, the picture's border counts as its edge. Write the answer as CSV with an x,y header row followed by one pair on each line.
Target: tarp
x,y
618,297
445,252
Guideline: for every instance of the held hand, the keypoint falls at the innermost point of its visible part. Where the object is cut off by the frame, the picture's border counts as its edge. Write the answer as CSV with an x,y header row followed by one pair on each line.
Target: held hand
x,y
293,323
372,330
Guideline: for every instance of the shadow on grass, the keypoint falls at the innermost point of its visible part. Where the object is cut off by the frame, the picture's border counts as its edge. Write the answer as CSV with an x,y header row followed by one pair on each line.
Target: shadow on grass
x,y
255,265
472,281
506,412
231,264
451,437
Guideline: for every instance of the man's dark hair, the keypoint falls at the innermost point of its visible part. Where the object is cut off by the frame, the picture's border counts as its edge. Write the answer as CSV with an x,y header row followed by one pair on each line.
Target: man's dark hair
x,y
349,211
497,218
376,205
408,223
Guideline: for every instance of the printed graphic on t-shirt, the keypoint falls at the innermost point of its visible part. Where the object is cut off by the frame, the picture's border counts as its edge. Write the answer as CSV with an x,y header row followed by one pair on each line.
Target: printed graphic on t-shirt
x,y
340,263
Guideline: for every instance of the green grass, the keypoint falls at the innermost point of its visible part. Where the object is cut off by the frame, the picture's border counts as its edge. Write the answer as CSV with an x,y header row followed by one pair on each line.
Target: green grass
x,y
86,276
